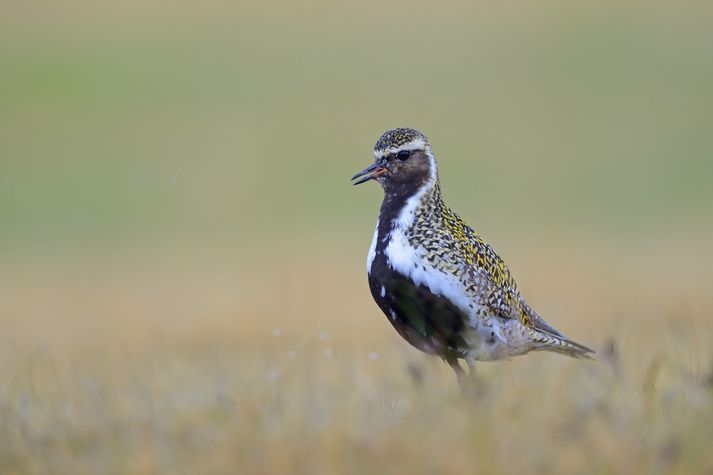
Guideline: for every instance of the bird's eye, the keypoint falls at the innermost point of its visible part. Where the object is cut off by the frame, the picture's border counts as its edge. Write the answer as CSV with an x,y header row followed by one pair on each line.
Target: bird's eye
x,y
403,154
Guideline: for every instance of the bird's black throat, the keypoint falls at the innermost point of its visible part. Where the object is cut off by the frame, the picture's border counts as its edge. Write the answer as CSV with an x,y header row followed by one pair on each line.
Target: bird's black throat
x,y
396,195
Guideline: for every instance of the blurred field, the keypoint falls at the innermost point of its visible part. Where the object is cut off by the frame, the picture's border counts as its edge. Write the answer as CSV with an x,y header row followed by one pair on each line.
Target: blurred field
x,y
182,278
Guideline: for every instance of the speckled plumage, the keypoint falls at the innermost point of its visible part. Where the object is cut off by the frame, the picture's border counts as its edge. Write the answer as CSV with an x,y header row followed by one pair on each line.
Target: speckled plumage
x,y
395,138
444,289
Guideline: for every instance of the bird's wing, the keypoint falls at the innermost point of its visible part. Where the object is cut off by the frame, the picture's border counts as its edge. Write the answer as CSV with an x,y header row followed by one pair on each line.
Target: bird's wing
x,y
497,287
487,274
495,283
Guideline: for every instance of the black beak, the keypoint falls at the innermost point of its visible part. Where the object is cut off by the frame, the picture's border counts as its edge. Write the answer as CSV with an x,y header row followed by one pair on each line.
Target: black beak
x,y
369,173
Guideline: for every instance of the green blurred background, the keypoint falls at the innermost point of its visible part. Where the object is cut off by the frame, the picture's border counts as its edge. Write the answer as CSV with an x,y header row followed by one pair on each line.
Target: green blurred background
x,y
236,123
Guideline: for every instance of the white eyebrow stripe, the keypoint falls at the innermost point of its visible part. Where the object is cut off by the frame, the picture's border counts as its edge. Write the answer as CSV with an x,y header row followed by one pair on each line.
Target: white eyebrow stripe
x,y
412,145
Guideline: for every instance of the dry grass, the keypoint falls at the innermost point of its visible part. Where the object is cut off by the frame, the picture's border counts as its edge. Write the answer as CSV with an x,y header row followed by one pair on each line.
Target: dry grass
x,y
163,365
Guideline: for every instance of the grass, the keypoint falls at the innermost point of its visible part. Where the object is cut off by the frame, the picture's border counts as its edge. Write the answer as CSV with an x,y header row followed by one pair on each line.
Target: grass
x,y
241,366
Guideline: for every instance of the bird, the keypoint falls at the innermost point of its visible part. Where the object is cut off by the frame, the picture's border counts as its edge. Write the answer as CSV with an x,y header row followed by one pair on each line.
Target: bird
x,y
442,286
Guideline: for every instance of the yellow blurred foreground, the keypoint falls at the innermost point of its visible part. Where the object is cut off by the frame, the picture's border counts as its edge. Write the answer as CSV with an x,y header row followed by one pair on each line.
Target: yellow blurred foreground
x,y
219,364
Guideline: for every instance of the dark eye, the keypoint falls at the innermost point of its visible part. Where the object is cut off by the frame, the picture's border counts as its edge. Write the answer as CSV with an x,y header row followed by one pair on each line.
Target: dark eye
x,y
403,154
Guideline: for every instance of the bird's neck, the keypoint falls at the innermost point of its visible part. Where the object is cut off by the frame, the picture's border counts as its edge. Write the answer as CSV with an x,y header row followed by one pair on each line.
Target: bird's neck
x,y
402,206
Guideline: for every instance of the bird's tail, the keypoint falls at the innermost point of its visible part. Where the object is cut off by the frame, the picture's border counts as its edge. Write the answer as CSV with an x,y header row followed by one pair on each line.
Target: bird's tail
x,y
547,337
569,348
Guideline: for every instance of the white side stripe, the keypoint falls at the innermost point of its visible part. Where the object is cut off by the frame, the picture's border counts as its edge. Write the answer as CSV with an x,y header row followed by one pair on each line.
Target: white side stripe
x,y
372,249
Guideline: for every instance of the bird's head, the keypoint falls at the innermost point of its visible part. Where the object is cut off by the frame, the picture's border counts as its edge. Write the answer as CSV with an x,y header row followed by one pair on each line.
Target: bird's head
x,y
402,158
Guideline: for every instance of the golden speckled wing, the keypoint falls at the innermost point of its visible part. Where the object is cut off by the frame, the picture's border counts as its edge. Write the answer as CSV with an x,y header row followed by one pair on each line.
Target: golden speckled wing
x,y
498,288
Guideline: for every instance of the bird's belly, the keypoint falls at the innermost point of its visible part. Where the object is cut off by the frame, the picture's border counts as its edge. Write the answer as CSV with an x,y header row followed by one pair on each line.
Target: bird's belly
x,y
435,325
428,321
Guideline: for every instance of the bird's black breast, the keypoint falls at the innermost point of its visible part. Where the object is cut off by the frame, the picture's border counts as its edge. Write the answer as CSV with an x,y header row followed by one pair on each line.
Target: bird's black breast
x,y
426,320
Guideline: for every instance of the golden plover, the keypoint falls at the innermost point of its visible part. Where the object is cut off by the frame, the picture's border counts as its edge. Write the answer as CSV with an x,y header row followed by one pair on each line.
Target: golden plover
x,y
442,287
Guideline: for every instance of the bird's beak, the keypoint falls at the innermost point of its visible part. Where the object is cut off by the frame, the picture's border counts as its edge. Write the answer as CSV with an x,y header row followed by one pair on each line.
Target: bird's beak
x,y
369,173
